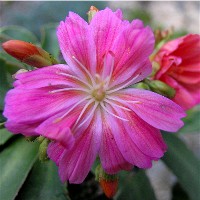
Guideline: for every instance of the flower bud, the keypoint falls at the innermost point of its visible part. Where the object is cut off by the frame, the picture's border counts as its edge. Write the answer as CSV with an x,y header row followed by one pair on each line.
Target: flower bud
x,y
143,85
108,182
31,138
43,149
28,53
162,88
163,34
91,13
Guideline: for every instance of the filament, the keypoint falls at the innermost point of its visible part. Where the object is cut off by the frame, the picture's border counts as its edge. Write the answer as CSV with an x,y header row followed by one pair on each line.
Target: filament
x,y
84,68
72,108
74,77
123,86
68,89
113,103
91,113
83,110
123,119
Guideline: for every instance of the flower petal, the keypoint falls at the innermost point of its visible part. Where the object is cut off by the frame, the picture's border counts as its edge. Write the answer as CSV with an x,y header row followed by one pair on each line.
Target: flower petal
x,y
132,49
55,151
76,162
76,39
111,158
36,105
58,128
105,26
126,145
27,129
119,14
153,108
147,138
56,75
187,95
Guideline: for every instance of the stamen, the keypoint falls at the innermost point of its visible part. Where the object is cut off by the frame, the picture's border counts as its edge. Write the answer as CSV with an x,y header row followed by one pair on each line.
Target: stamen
x,y
123,101
83,110
111,103
84,68
110,75
91,113
74,77
72,108
123,86
68,89
101,103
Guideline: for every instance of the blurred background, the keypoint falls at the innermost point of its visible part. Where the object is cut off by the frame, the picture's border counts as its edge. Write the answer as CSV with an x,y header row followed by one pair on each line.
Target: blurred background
x,y
184,17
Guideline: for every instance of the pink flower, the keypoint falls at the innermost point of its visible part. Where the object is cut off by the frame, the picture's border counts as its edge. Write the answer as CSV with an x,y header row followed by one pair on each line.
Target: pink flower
x,y
86,108
180,68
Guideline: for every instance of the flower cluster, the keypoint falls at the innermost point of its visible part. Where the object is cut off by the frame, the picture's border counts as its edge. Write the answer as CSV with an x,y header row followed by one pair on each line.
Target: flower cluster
x,y
87,107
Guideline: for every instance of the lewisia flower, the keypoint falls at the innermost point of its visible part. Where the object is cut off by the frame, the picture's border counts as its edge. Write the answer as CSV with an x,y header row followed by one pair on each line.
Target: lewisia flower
x,y
86,107
180,68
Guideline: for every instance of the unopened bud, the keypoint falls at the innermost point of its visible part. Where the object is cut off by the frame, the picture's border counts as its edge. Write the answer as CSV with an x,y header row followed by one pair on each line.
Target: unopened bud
x,y
162,88
143,85
40,139
28,53
163,34
108,182
91,13
155,68
43,150
31,138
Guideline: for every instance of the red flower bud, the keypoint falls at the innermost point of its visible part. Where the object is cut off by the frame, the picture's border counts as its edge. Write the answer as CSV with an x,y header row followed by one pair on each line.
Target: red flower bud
x,y
109,187
28,53
108,182
93,8
91,13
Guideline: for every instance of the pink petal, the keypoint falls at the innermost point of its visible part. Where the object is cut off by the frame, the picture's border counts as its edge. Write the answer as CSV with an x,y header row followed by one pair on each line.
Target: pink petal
x,y
111,158
147,138
155,109
45,77
168,62
119,14
187,77
187,95
55,151
137,24
76,162
126,145
105,26
35,105
76,39
132,48
27,129
58,128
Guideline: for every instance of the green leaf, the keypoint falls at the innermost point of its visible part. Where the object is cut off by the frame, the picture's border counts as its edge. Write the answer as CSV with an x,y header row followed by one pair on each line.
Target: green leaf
x,y
5,135
7,69
4,82
192,121
16,33
134,186
183,164
15,163
49,39
2,118
43,183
